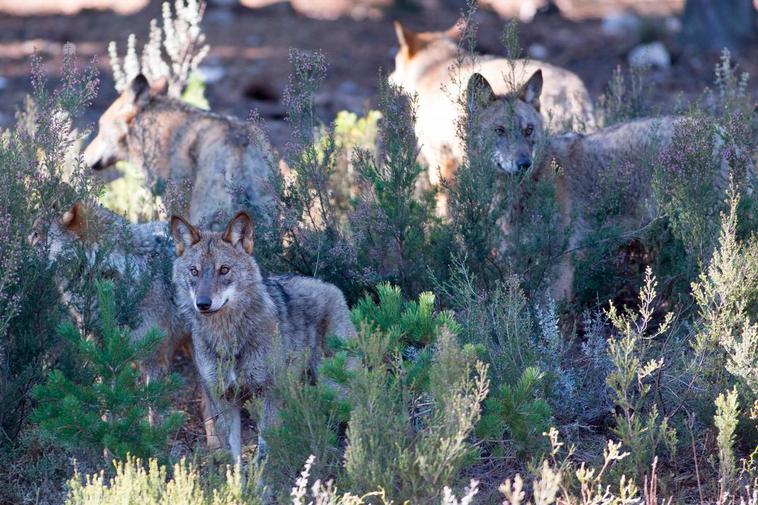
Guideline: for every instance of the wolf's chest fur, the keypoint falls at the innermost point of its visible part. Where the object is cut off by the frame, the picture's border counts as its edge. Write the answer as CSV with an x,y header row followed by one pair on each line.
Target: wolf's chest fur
x,y
237,343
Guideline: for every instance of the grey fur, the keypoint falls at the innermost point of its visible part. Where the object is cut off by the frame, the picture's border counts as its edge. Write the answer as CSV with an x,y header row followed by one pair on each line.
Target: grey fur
x,y
225,162
252,322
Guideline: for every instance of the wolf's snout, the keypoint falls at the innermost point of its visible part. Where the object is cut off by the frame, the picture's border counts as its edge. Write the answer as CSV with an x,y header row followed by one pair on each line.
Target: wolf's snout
x,y
524,163
95,156
203,303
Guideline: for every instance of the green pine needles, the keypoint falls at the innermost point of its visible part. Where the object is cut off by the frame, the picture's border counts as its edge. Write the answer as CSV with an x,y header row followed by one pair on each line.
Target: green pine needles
x,y
106,405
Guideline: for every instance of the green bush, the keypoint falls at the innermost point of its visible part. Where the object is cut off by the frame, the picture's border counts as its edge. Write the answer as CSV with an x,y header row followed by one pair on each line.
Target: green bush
x,y
105,406
39,174
405,379
639,424
520,409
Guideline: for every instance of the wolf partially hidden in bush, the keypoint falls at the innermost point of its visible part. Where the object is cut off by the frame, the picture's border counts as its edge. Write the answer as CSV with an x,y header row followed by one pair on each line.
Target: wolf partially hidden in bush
x,y
226,163
429,65
510,126
245,323
134,255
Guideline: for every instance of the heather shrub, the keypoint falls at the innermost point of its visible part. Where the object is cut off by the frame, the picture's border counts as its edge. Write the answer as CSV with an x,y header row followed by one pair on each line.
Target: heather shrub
x,y
430,430
712,149
626,98
393,224
150,483
725,341
725,420
39,173
636,360
309,236
311,422
172,52
105,405
404,378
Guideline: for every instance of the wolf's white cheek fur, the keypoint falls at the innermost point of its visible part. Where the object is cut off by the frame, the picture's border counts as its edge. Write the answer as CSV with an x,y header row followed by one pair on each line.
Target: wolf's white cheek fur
x,y
506,164
228,295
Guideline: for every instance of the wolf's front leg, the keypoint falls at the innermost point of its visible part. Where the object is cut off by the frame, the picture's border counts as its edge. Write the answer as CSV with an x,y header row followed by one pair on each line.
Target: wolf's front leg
x,y
230,426
268,419
210,414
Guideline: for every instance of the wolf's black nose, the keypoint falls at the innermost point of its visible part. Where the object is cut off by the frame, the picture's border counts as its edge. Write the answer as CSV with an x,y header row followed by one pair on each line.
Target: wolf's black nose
x,y
203,302
523,163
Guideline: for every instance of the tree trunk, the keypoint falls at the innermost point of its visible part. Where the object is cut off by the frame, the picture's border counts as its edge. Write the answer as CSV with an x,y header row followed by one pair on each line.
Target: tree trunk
x,y
711,25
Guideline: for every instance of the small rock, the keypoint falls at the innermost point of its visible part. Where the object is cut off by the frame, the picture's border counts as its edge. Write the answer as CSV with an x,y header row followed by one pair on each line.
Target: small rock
x,y
211,74
621,24
654,54
673,24
537,52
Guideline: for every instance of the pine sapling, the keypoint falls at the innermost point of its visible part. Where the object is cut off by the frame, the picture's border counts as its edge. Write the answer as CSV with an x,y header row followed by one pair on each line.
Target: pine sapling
x,y
106,406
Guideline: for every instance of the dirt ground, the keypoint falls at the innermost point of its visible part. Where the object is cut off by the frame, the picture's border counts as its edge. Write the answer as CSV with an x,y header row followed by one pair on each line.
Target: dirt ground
x,y
250,46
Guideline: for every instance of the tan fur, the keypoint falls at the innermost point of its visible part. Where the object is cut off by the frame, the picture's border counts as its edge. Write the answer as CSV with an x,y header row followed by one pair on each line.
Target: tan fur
x,y
244,323
224,162
425,65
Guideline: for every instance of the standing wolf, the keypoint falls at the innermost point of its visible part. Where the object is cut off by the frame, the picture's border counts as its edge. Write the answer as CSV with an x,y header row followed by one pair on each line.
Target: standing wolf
x,y
429,65
226,163
243,321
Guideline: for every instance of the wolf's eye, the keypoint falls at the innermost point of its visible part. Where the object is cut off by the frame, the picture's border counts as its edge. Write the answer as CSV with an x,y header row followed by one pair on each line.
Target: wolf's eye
x,y
500,131
223,270
528,130
193,271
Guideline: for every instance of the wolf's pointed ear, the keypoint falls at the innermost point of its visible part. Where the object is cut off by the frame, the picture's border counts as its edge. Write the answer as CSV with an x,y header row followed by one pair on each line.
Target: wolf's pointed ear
x,y
140,91
74,220
531,91
239,231
409,40
159,87
457,30
185,235
480,91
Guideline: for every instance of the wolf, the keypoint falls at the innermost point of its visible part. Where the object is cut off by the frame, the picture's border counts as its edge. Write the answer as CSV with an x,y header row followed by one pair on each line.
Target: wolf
x,y
133,253
511,128
225,162
245,322
429,66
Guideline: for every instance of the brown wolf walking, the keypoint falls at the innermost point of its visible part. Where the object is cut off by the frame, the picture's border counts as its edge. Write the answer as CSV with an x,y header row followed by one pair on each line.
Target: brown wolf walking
x,y
579,157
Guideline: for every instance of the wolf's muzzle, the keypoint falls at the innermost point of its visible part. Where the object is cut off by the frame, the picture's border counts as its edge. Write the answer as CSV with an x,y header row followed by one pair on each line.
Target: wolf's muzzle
x,y
203,303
